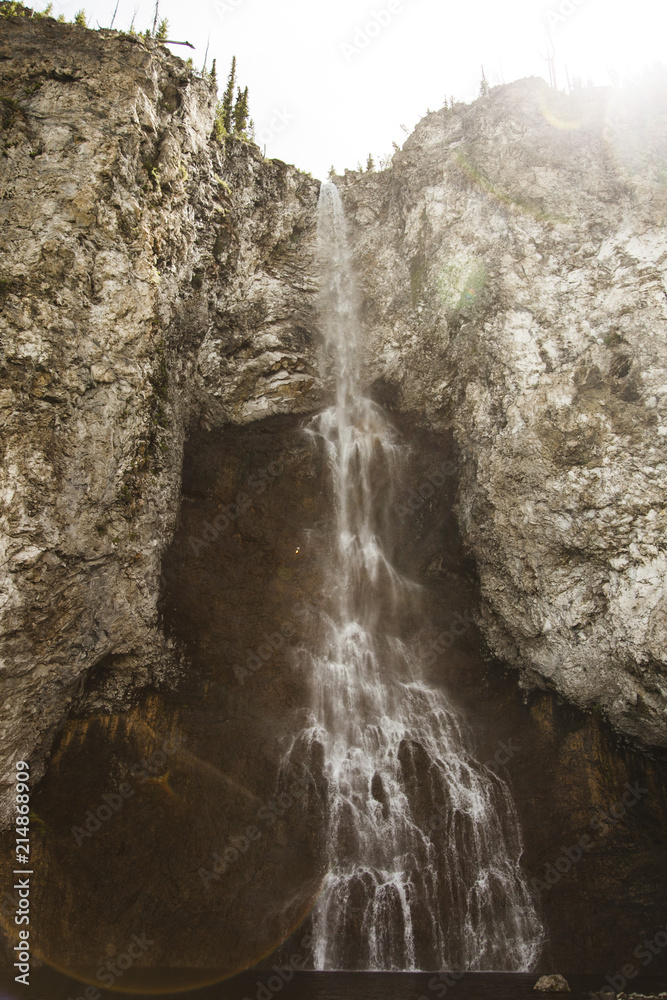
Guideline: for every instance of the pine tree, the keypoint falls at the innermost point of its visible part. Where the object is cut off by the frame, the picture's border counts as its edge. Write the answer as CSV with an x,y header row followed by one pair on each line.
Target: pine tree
x,y
80,18
241,112
213,75
219,129
163,30
228,100
370,164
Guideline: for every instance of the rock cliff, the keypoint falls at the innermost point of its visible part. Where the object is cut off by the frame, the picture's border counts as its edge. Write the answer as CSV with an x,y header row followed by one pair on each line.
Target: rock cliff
x,y
513,263
154,282
159,351
151,280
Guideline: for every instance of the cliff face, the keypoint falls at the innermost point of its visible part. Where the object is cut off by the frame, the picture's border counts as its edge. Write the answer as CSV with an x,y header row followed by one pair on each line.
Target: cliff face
x,y
158,355
150,280
512,267
513,263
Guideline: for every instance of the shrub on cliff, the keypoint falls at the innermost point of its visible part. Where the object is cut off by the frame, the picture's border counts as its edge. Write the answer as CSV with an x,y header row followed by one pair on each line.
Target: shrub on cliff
x,y
11,8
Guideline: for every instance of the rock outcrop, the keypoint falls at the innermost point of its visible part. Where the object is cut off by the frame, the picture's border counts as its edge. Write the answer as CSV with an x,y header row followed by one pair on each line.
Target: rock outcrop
x,y
151,280
513,263
157,294
512,270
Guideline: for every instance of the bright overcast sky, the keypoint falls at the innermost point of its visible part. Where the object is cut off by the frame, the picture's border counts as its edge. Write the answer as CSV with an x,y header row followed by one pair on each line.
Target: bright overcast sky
x,y
330,83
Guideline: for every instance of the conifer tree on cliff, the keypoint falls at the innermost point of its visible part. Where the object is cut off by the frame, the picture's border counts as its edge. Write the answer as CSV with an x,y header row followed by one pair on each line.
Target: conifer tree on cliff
x,y
228,100
241,112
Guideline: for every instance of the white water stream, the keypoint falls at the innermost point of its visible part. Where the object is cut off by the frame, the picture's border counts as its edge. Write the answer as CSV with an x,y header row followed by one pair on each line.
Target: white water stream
x,y
401,892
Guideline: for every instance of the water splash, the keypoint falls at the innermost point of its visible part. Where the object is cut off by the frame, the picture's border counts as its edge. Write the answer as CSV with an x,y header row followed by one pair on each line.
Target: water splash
x,y
387,751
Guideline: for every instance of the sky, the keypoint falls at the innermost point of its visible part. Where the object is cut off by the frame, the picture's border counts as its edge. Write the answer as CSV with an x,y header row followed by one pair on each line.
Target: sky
x,y
331,83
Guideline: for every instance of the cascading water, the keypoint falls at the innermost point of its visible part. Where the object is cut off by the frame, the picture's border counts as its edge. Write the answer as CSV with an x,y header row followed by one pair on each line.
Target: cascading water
x,y
388,752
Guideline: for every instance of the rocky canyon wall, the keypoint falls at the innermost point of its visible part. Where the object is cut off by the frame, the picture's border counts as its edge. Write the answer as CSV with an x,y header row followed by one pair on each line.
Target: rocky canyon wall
x,y
151,280
155,283
159,355
513,264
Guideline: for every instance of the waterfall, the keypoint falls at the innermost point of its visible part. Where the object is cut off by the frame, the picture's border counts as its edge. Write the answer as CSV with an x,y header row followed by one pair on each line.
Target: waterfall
x,y
422,842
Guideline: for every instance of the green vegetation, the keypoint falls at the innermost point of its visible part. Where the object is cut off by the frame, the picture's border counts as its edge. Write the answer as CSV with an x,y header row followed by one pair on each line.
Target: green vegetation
x,y
9,111
227,104
12,8
223,184
154,174
241,112
231,116
370,164
218,123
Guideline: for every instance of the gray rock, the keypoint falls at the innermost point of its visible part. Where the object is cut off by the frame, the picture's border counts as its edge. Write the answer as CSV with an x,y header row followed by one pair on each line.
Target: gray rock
x,y
513,270
552,984
150,280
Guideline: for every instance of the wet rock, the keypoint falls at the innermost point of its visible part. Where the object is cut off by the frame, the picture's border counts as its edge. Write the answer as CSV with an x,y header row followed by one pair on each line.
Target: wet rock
x,y
641,996
552,984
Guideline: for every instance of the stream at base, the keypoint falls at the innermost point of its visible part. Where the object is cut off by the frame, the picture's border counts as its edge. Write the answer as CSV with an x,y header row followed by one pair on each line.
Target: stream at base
x,y
267,984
